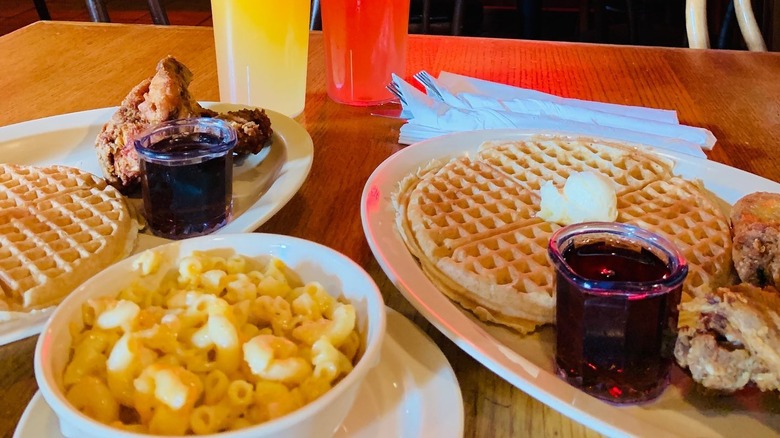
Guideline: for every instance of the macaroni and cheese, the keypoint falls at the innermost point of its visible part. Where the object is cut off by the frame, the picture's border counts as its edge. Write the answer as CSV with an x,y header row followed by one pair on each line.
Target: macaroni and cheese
x,y
222,344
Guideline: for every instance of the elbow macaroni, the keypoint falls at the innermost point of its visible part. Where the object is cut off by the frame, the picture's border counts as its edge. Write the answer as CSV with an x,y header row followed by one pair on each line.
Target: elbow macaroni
x,y
222,345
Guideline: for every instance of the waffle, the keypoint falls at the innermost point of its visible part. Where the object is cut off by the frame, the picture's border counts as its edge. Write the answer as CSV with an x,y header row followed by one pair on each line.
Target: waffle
x,y
542,159
450,214
58,227
471,222
682,212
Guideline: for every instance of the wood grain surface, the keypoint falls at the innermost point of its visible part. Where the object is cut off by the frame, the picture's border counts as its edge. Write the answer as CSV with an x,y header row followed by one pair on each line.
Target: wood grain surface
x,y
52,68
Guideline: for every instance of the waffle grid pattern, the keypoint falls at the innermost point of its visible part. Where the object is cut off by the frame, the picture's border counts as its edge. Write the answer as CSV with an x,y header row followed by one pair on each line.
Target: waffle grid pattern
x,y
677,210
473,220
58,226
532,163
463,201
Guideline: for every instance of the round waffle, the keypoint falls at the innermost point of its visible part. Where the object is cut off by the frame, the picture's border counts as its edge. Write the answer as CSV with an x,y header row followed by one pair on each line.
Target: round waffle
x,y
58,227
471,222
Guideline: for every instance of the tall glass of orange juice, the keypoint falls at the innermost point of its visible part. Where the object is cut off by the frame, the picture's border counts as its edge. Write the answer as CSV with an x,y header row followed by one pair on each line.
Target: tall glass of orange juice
x,y
262,48
365,41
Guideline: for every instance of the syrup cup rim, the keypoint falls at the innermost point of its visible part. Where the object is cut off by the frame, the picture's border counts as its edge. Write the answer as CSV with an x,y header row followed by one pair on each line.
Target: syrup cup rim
x,y
601,230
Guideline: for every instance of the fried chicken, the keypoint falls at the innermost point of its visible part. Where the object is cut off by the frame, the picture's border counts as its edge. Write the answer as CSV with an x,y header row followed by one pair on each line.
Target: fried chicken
x,y
163,97
755,221
730,338
253,129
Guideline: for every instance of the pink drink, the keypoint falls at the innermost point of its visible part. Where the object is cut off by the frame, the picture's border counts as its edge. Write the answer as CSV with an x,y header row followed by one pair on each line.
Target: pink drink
x,y
365,41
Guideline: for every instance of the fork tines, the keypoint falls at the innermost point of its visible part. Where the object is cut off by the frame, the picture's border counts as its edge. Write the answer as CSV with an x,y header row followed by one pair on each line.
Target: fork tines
x,y
393,88
428,81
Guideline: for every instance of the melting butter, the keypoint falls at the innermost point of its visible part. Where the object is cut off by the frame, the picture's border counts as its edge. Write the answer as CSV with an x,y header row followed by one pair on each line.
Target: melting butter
x,y
585,197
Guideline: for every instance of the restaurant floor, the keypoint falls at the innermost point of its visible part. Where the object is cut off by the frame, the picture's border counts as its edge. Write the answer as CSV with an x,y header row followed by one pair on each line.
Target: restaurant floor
x,y
659,23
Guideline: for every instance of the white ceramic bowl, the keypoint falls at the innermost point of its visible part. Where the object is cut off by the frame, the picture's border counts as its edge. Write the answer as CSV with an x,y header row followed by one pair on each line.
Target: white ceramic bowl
x,y
313,262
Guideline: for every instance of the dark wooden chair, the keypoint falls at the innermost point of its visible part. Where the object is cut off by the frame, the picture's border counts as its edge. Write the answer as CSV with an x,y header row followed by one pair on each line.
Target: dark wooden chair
x,y
456,24
316,20
530,15
450,12
43,11
99,13
598,10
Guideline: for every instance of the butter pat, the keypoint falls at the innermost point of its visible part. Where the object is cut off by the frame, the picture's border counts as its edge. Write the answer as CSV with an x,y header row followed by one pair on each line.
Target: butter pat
x,y
586,196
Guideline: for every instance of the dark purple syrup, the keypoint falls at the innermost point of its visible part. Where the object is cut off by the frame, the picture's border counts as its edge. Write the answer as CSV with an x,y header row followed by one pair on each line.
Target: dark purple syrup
x,y
609,344
187,199
601,261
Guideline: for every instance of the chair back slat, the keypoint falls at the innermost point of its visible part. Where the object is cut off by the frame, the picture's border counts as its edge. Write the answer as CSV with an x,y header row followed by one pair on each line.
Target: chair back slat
x,y
747,24
698,34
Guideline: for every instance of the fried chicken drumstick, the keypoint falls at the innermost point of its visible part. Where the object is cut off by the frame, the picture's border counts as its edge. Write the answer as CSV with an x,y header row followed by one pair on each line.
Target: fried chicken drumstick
x,y
161,98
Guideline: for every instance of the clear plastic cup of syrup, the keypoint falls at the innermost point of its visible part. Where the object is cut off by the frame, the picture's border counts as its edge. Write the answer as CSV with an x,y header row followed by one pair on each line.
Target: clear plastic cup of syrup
x,y
618,287
187,176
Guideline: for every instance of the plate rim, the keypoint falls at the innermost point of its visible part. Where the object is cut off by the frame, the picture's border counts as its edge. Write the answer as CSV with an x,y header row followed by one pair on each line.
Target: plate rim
x,y
539,383
400,331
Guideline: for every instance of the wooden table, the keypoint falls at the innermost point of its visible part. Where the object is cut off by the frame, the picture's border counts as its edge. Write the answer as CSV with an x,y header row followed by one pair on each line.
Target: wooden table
x,y
52,68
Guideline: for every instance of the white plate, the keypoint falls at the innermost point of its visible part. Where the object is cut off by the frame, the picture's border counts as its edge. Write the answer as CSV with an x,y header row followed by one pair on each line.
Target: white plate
x,y
527,362
262,184
412,392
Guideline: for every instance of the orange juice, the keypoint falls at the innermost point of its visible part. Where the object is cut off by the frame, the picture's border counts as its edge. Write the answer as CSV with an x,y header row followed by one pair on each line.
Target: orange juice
x,y
365,41
262,48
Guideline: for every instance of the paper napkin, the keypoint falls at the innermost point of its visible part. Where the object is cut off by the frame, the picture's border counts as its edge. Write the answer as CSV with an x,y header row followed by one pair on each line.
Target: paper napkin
x,y
459,103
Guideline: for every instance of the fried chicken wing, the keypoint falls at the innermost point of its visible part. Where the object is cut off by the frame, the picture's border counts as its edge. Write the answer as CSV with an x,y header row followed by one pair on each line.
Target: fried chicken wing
x,y
163,97
253,129
160,98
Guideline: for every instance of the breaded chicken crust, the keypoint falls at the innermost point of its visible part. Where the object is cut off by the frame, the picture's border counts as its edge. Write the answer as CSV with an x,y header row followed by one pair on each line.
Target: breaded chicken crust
x,y
164,97
755,222
730,338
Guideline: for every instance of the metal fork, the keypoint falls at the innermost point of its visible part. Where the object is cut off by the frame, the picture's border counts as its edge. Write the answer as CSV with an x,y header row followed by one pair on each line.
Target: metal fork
x,y
429,83
393,88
